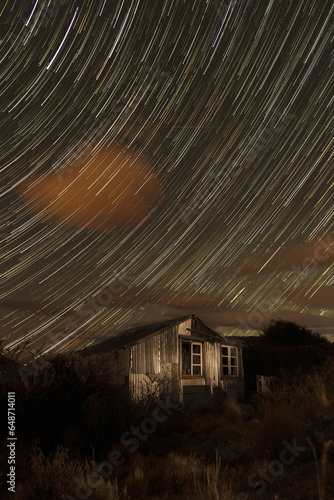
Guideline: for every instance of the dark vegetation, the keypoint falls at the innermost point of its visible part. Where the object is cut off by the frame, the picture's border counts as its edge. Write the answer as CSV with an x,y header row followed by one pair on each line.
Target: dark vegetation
x,y
284,346
70,415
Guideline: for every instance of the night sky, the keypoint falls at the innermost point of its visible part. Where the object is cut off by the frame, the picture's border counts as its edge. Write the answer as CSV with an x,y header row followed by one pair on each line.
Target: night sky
x,y
164,158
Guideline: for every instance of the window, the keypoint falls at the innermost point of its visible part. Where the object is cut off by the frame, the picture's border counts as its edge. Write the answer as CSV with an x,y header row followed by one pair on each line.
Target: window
x,y
229,361
191,358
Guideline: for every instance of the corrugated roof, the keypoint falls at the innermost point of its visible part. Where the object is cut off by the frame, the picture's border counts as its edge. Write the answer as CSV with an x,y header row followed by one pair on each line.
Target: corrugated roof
x,y
136,334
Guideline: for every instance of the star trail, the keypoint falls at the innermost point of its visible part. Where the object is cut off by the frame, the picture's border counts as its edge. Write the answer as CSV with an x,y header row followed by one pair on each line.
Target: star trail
x,y
164,158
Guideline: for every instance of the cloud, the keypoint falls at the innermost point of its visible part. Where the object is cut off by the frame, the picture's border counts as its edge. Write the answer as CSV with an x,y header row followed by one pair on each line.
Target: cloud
x,y
322,298
174,299
116,188
212,310
128,297
295,257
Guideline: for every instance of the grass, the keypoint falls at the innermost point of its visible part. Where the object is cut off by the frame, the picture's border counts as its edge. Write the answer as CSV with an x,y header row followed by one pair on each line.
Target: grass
x,y
215,453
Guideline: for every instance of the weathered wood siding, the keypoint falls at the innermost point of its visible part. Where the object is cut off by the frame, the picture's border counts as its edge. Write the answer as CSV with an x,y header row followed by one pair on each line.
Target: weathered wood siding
x,y
159,355
156,356
145,356
198,327
241,364
183,328
212,363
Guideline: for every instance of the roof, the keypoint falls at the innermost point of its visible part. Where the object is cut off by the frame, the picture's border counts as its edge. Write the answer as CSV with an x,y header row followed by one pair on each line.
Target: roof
x,y
136,334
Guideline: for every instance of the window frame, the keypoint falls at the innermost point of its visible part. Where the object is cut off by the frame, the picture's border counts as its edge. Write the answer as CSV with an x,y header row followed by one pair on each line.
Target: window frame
x,y
193,342
229,357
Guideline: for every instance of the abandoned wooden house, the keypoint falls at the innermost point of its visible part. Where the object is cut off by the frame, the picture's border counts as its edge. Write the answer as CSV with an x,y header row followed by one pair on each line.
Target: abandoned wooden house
x,y
185,351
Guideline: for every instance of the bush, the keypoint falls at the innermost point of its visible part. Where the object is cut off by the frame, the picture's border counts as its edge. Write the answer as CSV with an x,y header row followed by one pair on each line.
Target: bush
x,y
289,333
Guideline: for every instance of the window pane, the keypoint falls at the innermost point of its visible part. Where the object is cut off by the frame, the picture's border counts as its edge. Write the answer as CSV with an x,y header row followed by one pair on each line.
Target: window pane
x,y
233,351
234,361
196,349
234,370
225,370
225,351
225,361
196,360
196,370
186,358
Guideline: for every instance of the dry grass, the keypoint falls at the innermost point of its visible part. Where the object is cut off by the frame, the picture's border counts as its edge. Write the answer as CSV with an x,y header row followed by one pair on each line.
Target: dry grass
x,y
233,412
216,485
322,467
277,424
181,476
137,480
174,474
288,411
208,454
59,475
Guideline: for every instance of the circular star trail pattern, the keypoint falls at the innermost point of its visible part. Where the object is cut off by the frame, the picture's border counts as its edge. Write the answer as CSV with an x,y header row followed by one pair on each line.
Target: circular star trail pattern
x,y
229,102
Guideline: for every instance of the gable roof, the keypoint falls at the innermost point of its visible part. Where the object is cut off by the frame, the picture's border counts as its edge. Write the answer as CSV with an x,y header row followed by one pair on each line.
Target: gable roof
x,y
137,334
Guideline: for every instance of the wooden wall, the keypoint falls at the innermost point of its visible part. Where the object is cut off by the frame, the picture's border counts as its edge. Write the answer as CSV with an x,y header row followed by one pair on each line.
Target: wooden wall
x,y
159,355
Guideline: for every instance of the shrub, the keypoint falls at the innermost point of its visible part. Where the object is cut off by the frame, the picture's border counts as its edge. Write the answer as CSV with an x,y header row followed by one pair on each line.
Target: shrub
x,y
289,333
